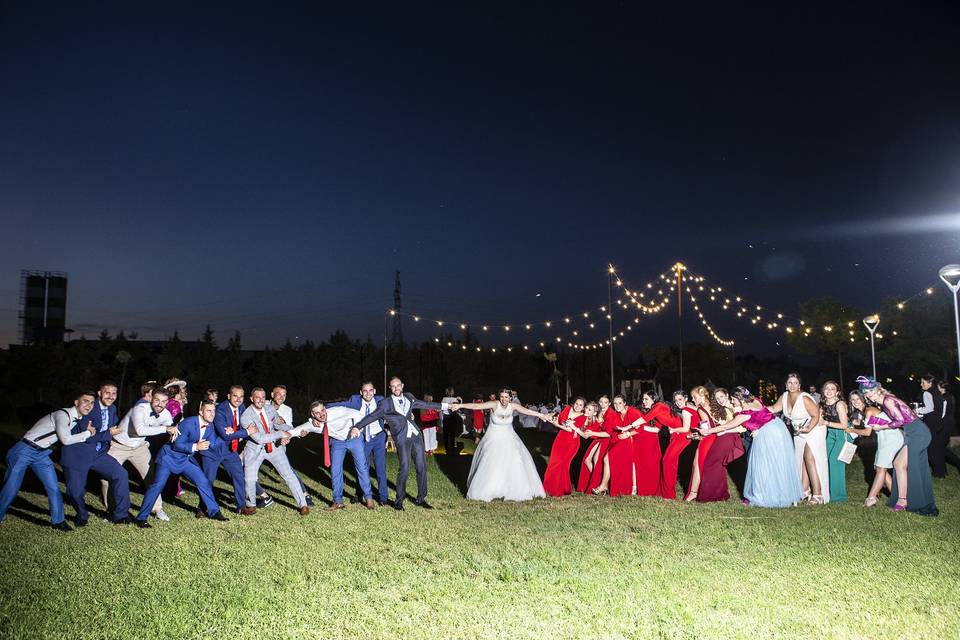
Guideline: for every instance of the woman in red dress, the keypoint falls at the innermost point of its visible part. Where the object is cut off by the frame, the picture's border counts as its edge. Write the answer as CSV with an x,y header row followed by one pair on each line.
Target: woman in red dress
x,y
598,435
556,480
726,448
646,443
701,400
679,441
619,467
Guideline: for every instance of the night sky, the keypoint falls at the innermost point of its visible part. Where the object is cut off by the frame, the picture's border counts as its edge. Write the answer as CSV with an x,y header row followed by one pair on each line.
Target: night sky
x,y
267,168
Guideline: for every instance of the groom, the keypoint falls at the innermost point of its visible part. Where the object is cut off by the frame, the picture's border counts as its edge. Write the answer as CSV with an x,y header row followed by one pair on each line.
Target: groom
x,y
397,413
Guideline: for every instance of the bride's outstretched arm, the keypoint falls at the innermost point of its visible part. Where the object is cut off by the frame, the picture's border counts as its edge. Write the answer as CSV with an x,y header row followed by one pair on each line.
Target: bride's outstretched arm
x,y
490,404
519,408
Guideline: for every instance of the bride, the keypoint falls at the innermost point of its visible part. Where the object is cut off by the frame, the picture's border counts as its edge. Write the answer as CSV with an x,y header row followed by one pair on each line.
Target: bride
x,y
502,467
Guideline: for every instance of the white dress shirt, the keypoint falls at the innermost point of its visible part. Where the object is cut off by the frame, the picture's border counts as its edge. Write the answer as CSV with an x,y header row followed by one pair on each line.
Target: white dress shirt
x,y
139,423
340,421
366,408
286,413
927,406
56,426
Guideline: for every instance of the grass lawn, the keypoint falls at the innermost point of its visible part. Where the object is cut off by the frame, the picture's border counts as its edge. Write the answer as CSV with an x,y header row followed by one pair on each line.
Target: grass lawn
x,y
579,567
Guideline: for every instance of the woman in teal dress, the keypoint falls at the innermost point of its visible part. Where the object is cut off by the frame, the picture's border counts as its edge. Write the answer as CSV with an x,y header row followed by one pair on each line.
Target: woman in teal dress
x,y
833,414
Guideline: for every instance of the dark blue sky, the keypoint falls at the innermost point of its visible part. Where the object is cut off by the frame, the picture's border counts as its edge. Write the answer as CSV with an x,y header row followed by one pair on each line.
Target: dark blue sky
x,y
267,168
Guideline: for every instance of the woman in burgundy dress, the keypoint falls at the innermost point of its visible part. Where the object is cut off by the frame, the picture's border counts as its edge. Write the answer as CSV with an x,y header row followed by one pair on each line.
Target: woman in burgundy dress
x,y
556,480
598,435
619,469
646,442
701,401
678,442
726,448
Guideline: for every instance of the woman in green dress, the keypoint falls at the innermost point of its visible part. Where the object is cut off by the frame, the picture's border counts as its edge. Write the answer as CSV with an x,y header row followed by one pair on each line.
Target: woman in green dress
x,y
833,414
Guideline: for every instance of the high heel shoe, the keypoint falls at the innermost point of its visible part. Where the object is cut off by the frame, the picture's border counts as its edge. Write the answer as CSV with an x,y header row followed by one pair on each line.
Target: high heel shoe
x,y
869,502
817,499
691,497
600,492
898,506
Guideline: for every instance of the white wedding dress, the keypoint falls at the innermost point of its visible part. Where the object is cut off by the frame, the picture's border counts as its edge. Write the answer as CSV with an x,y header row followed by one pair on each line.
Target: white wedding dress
x,y
502,467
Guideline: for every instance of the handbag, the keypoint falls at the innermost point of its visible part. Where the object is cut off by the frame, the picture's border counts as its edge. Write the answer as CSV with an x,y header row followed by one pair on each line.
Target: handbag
x,y
847,452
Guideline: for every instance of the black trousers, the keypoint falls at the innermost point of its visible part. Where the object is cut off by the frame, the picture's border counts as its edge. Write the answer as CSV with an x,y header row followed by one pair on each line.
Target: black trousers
x,y
939,452
452,428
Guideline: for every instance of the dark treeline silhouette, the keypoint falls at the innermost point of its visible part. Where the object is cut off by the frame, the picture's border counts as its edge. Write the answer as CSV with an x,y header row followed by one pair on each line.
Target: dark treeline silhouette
x,y
36,378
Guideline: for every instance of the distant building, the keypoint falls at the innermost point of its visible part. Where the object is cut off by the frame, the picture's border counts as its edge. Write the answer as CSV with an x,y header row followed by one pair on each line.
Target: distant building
x,y
43,307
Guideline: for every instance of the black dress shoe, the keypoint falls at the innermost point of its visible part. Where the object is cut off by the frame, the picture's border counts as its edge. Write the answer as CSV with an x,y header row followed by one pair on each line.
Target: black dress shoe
x,y
62,526
424,505
309,500
123,520
81,523
220,517
143,524
397,505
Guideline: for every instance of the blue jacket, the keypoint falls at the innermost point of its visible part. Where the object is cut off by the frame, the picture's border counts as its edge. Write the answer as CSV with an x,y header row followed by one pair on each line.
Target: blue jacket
x,y
356,402
85,453
179,453
219,438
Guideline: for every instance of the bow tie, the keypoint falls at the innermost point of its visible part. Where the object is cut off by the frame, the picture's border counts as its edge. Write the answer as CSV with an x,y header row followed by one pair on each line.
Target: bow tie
x,y
154,415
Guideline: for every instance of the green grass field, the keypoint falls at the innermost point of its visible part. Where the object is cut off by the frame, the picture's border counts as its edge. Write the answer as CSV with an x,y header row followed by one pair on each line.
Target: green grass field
x,y
579,567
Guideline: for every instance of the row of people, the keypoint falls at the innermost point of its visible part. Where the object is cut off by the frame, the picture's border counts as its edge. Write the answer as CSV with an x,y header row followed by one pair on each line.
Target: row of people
x,y
793,458
237,437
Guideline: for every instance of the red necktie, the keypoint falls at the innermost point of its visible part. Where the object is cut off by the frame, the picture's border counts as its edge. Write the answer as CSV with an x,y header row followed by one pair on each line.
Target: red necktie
x,y
326,445
234,444
266,430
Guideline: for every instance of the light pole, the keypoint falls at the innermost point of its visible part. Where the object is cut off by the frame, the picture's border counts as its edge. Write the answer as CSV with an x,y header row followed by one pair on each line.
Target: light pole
x,y
610,272
871,323
950,275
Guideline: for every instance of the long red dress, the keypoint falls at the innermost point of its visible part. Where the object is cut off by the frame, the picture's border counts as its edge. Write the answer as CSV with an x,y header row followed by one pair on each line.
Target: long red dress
x,y
621,455
726,448
703,446
590,480
556,480
646,448
671,457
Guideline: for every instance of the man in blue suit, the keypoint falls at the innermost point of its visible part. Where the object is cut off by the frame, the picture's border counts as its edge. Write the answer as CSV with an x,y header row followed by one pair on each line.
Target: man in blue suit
x,y
397,412
374,435
177,458
227,433
79,459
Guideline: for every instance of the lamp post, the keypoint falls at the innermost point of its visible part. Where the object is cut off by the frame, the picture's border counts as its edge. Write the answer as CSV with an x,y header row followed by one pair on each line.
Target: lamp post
x,y
950,275
871,323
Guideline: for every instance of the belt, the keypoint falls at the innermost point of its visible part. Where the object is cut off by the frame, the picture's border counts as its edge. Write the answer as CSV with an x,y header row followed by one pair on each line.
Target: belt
x,y
33,445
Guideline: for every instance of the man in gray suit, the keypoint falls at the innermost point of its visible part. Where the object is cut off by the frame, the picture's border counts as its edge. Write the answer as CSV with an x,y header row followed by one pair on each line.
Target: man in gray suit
x,y
396,410
268,443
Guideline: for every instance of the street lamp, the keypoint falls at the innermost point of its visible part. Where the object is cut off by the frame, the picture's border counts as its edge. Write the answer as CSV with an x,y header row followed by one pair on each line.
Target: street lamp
x,y
871,323
950,275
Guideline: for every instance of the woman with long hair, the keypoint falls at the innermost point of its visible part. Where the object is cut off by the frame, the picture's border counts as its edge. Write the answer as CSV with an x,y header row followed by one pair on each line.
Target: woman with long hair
x,y
678,442
619,467
566,444
701,401
802,414
918,494
865,437
772,477
598,435
833,416
727,448
646,444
